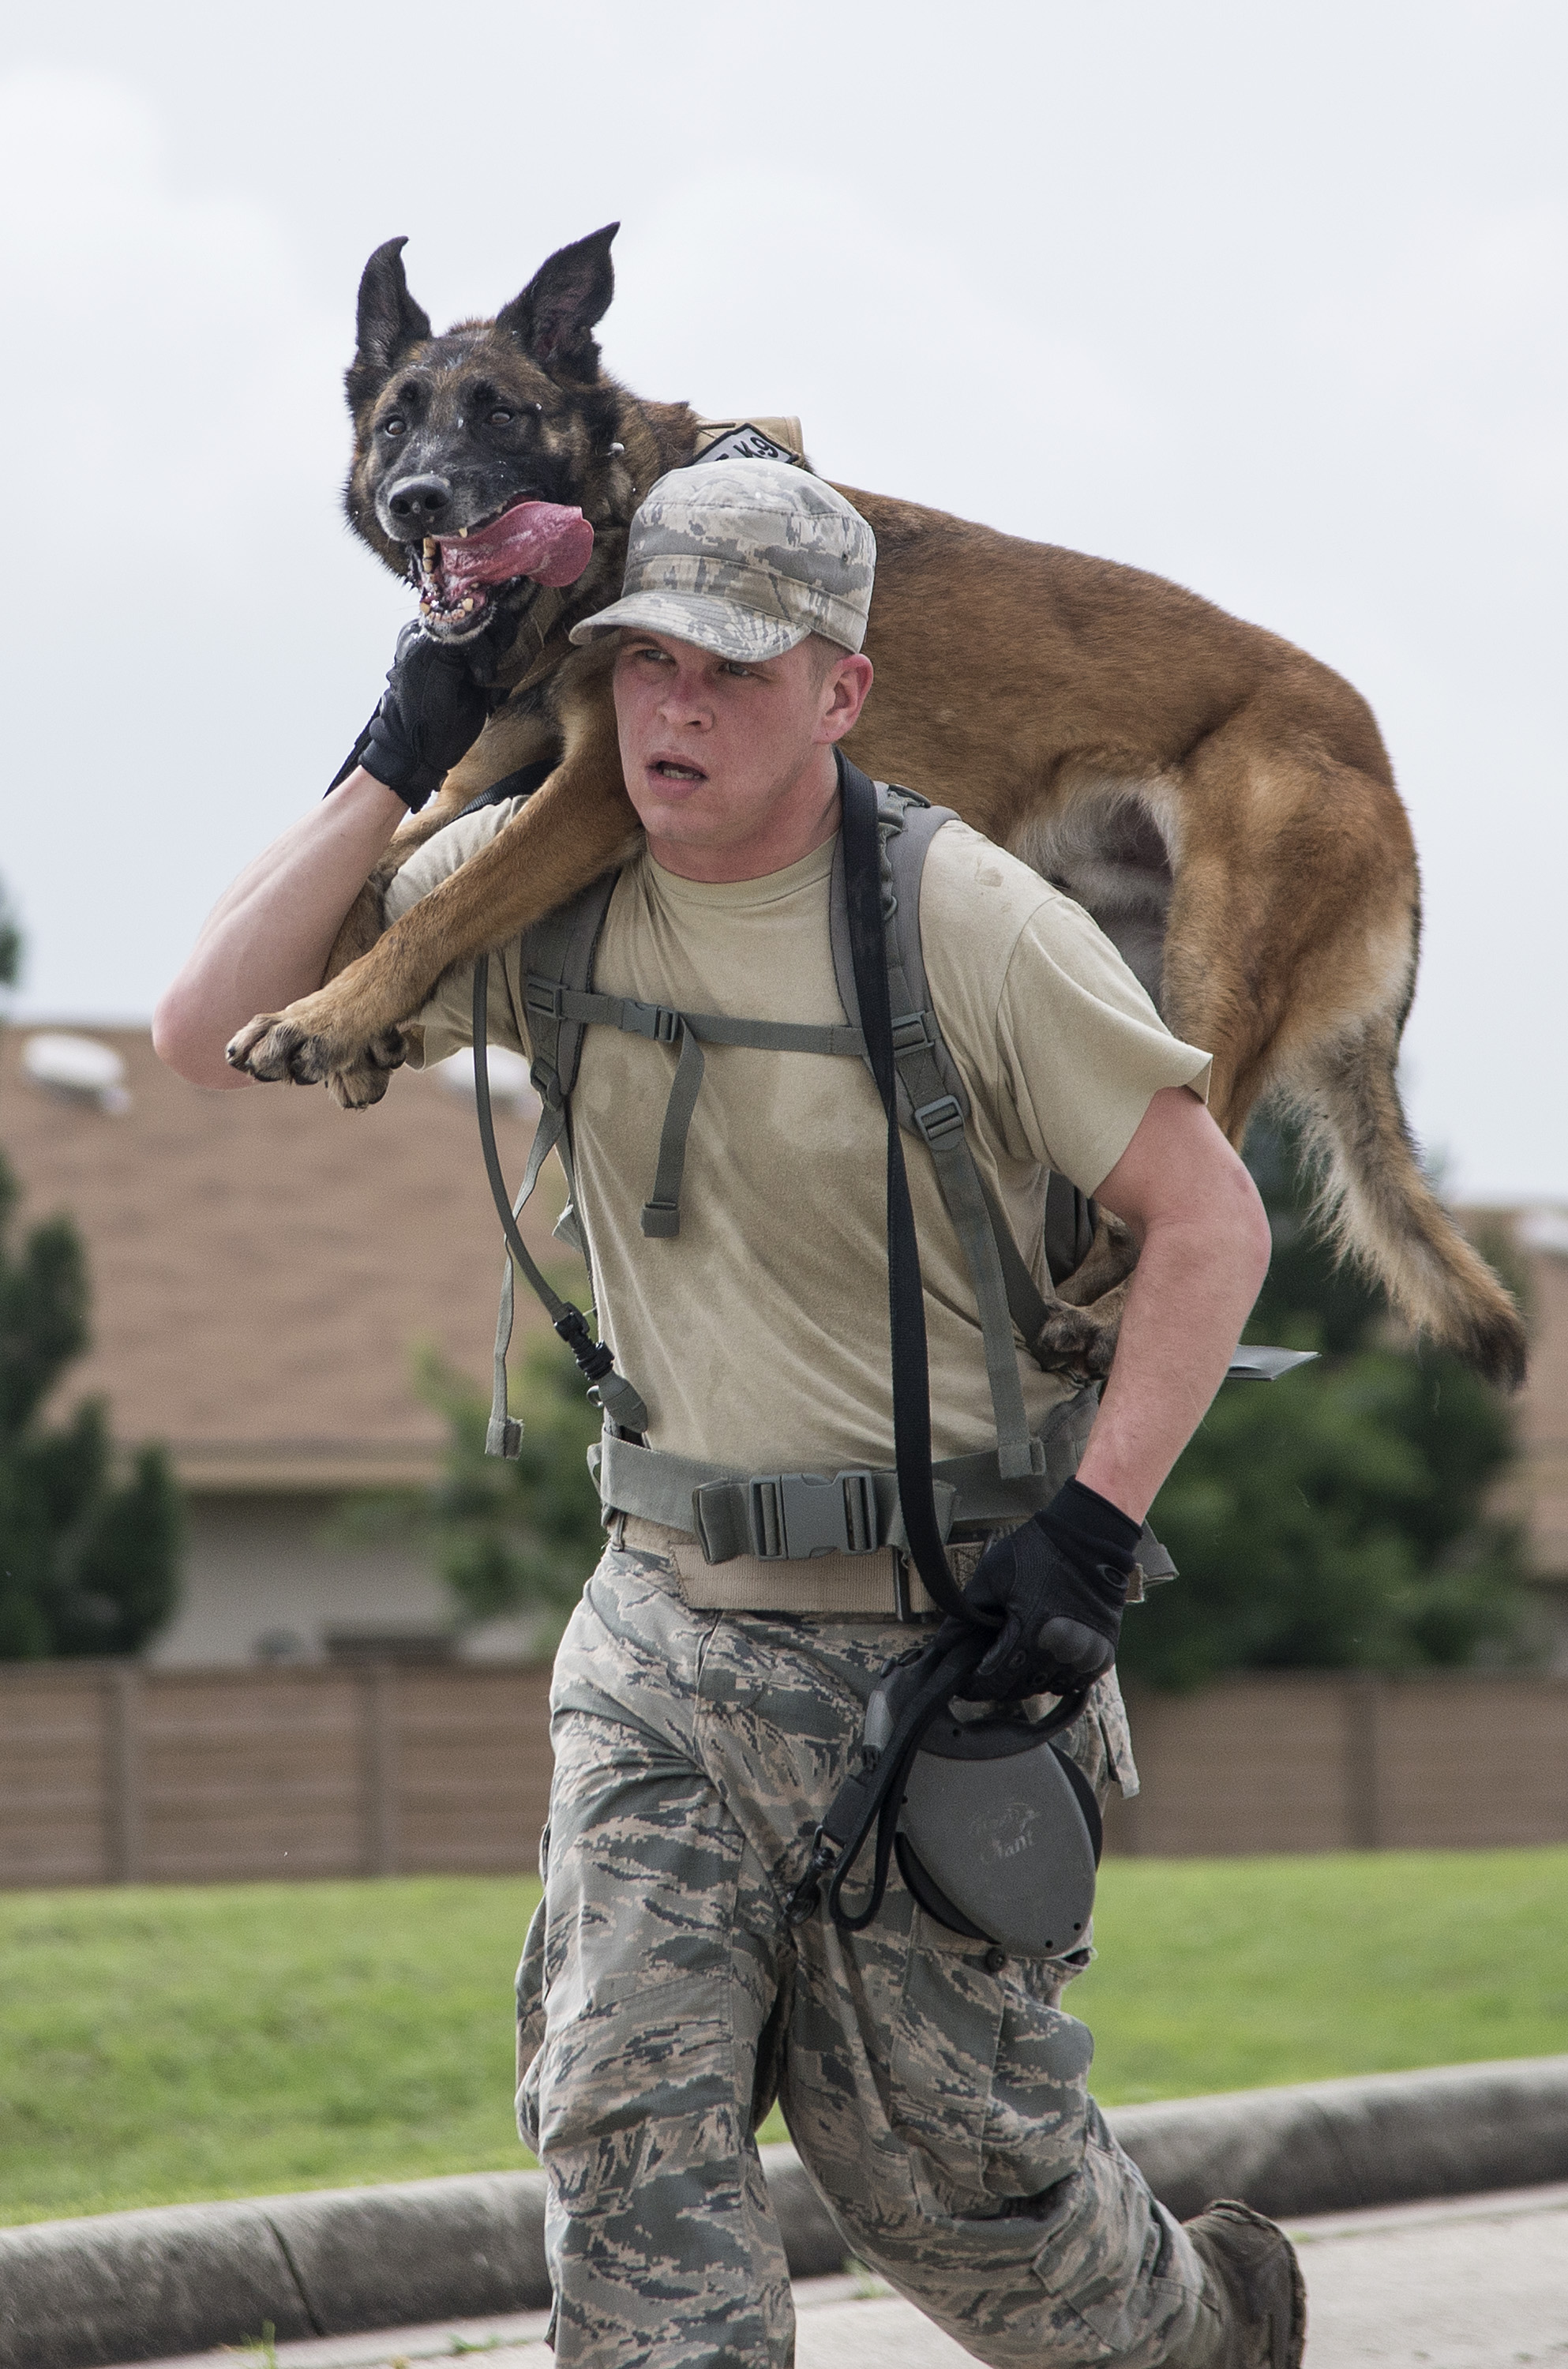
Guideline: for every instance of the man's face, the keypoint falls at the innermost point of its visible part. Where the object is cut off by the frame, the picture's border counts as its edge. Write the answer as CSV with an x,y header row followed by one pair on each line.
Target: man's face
x,y
717,754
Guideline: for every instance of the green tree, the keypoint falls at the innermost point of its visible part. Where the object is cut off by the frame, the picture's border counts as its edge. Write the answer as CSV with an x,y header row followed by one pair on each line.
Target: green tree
x,y
89,1556
520,1535
1336,1518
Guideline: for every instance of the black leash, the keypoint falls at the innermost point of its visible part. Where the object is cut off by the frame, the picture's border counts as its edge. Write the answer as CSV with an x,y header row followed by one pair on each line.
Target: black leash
x,y
905,1298
873,1795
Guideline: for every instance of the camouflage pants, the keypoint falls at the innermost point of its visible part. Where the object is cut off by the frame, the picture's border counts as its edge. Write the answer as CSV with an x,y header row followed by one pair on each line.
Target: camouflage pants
x,y
938,2101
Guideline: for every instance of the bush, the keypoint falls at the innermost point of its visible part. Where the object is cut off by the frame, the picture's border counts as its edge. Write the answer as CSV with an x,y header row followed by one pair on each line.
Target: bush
x,y
1336,1518
519,1535
90,1560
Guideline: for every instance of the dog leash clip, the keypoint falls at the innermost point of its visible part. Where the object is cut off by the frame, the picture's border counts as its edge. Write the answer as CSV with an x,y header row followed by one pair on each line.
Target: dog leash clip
x,y
804,1899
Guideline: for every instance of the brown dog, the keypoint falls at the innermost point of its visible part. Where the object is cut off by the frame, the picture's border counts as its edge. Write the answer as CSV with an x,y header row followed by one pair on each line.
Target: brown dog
x,y
1221,803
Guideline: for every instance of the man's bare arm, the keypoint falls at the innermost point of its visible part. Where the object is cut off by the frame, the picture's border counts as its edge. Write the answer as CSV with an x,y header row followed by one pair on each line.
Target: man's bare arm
x,y
267,940
1203,1241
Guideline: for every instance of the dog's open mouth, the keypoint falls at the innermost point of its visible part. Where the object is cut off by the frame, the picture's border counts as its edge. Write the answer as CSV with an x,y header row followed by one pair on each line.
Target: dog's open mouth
x,y
458,574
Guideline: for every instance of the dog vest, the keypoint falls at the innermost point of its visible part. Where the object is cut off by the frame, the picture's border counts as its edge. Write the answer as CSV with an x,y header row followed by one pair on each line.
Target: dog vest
x,y
788,1515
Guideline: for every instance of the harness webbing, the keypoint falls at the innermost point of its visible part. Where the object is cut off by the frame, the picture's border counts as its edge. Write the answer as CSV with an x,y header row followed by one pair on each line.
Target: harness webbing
x,y
689,1030
560,1004
612,1392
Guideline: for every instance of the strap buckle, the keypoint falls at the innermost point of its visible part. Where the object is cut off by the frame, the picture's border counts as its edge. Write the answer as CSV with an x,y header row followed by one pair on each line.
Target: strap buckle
x,y
545,996
940,1121
791,1516
912,1032
652,1020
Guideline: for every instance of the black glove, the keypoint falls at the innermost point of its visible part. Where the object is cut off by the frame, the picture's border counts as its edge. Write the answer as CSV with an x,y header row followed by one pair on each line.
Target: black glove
x,y
435,705
1056,1588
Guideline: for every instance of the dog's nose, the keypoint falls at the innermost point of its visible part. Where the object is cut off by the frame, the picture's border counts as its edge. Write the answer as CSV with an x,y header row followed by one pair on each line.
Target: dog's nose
x,y
419,503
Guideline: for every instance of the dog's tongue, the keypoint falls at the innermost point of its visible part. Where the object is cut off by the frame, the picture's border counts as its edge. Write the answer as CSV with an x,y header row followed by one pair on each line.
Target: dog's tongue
x,y
542,539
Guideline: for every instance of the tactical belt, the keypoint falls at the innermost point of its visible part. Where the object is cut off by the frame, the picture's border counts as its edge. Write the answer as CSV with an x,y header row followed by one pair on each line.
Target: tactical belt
x,y
790,1516
881,1586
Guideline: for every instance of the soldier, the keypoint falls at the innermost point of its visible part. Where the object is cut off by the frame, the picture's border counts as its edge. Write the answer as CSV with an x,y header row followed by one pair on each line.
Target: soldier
x,y
709,1692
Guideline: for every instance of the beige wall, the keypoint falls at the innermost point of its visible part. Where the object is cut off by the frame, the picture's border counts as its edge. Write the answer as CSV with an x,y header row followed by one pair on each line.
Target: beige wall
x,y
269,1577
264,1567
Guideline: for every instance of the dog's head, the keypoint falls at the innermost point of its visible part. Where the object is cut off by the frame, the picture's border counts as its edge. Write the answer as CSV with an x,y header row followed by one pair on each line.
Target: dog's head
x,y
452,433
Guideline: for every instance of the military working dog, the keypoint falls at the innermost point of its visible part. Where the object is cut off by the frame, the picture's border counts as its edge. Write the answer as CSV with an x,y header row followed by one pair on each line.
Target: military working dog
x,y
1221,803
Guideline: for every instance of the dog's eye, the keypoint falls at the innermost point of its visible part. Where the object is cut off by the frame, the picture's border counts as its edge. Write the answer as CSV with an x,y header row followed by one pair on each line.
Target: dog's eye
x,y
394,424
501,419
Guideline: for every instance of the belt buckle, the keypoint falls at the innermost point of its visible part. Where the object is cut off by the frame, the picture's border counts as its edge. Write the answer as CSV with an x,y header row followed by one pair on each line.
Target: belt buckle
x,y
794,1515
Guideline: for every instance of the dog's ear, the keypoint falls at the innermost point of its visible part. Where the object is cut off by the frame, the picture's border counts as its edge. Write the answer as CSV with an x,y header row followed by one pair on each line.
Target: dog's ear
x,y
552,318
389,322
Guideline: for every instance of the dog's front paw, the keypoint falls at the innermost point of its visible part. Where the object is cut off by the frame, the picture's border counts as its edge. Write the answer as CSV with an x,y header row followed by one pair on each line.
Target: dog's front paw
x,y
280,1045
1079,1341
357,1089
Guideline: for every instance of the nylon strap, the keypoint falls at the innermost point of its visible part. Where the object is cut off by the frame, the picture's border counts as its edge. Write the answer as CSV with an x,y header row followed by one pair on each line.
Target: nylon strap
x,y
940,1123
611,1390
906,1295
933,1103
1029,1310
550,1002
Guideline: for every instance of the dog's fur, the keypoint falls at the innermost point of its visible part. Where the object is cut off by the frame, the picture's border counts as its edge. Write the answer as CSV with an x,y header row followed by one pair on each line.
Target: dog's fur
x,y
1221,803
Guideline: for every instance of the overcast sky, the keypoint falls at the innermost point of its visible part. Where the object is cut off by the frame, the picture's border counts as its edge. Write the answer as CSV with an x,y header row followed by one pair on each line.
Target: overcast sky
x,y
1266,298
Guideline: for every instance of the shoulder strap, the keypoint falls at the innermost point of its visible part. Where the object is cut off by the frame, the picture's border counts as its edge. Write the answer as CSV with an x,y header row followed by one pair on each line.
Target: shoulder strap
x,y
907,824
557,950
933,1103
560,948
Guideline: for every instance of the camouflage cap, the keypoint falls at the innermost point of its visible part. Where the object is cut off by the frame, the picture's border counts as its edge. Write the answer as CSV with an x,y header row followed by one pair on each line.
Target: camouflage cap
x,y
745,558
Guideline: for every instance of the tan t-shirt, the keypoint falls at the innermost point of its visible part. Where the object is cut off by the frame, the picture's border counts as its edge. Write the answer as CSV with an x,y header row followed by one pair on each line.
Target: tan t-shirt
x,y
758,1335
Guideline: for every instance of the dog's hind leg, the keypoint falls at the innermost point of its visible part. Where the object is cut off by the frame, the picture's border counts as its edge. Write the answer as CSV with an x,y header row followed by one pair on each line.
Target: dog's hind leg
x,y
1079,1336
1291,958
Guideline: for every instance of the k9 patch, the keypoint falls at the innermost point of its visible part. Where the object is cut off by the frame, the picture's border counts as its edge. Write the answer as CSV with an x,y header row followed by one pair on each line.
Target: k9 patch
x,y
748,444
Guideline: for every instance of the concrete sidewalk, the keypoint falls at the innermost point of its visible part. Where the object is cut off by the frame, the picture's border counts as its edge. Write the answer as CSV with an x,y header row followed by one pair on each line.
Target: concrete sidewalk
x,y
1474,2283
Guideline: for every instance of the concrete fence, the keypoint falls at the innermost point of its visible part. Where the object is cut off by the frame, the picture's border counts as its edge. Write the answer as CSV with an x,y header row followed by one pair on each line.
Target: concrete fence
x,y
113,1773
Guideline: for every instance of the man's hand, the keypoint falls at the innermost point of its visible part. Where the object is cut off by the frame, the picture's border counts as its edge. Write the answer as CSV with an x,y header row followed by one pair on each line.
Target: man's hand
x,y
1057,1588
435,705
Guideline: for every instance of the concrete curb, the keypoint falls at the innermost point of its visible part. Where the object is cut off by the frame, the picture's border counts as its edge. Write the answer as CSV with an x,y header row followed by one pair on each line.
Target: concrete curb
x,y
1336,2146
132,2286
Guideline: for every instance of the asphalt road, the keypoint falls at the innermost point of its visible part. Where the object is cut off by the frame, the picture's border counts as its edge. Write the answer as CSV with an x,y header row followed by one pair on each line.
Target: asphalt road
x,y
1481,2282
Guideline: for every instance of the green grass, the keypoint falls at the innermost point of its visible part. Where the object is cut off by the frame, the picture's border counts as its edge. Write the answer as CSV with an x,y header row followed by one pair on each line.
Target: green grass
x,y
1238,1973
164,2045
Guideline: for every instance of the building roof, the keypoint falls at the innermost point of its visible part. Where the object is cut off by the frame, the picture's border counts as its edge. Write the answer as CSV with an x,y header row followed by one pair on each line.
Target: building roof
x,y
263,1266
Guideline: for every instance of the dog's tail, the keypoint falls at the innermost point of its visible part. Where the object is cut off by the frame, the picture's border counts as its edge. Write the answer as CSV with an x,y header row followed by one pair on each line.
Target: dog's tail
x,y
1378,1208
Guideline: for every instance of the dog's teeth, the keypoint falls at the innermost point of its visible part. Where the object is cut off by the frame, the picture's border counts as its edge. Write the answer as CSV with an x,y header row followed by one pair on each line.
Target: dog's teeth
x,y
462,533
467,604
432,551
